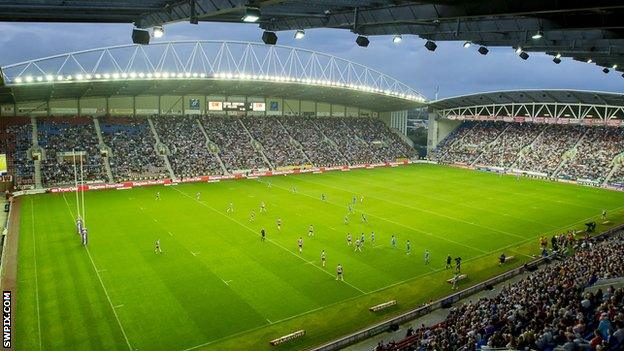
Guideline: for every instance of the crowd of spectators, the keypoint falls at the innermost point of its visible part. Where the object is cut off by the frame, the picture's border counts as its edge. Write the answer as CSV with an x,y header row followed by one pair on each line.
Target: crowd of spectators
x,y
275,140
548,150
354,149
133,148
61,138
549,309
16,140
132,151
595,154
469,142
591,150
235,146
506,150
384,144
189,155
319,150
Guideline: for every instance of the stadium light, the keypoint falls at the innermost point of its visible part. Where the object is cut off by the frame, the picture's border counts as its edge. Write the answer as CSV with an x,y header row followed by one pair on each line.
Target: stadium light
x,y
558,56
158,32
518,50
483,50
299,34
430,45
614,66
18,80
538,35
49,77
362,41
467,44
397,39
29,79
251,15
269,38
589,60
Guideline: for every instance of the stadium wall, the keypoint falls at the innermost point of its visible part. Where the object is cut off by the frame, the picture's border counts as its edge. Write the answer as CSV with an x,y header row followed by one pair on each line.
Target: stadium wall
x,y
177,105
438,130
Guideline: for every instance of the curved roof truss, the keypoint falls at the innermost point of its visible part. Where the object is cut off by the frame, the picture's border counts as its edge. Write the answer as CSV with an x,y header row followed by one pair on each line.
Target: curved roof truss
x,y
213,60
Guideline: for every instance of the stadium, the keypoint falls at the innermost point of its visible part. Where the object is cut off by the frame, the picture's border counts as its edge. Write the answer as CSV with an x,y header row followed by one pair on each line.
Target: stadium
x,y
237,195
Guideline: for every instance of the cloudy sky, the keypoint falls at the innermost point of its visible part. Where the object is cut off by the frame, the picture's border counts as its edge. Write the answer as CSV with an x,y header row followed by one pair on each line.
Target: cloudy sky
x,y
451,69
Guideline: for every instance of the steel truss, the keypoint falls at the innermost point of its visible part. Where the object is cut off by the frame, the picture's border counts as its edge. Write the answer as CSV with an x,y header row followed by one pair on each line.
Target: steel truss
x,y
209,60
536,112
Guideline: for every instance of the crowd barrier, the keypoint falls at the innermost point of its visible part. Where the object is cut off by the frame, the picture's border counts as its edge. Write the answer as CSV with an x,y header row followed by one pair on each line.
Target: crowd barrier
x,y
212,178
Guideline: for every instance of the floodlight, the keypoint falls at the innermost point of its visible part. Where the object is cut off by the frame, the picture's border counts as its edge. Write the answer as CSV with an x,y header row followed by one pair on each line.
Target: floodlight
x,y
299,34
589,60
467,44
269,38
18,80
29,79
430,45
614,66
558,55
251,15
397,39
538,35
518,50
140,36
362,41
158,32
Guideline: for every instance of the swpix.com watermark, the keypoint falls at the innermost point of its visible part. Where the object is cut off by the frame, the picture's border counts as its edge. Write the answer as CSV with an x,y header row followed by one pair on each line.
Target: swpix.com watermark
x,y
6,319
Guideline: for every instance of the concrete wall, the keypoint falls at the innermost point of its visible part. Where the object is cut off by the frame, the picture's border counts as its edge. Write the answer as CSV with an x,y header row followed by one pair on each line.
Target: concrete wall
x,y
147,105
438,130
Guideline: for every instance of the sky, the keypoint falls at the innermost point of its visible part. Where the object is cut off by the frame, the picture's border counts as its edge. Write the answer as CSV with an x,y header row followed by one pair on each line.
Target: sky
x,y
450,71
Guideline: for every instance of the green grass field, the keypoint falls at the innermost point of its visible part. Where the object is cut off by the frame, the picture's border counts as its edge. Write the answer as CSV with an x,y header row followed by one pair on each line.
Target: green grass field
x,y
217,286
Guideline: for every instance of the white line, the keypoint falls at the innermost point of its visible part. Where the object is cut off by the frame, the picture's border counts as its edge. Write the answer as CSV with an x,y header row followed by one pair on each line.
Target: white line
x,y
462,204
170,233
269,321
119,306
195,253
420,209
123,331
269,240
109,299
32,212
396,223
102,270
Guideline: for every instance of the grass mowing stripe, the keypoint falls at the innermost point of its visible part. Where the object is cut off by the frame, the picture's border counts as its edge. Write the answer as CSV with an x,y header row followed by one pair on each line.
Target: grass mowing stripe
x,y
123,331
269,240
514,193
385,219
32,212
421,209
457,203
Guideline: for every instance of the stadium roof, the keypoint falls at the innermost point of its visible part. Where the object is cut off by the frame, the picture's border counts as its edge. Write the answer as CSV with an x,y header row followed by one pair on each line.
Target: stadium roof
x,y
551,96
579,29
219,68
